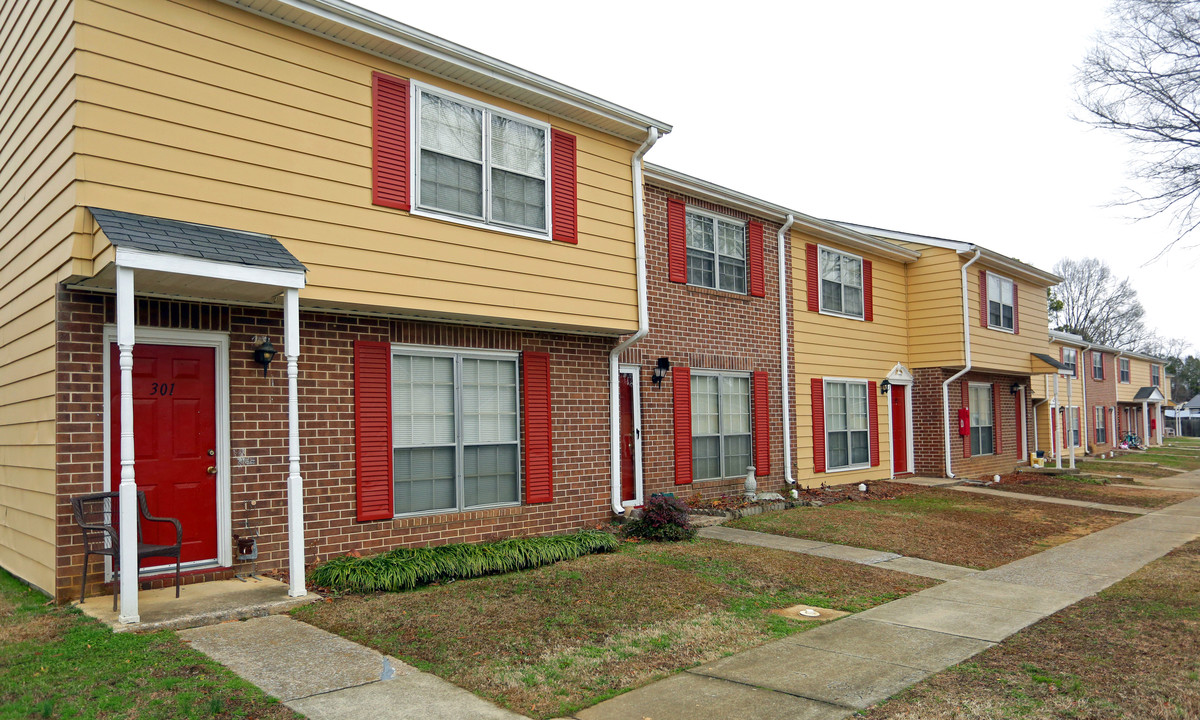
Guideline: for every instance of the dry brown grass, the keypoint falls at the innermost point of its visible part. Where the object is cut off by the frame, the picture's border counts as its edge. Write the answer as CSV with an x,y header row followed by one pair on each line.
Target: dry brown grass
x,y
1140,471
547,641
941,525
1090,489
1131,652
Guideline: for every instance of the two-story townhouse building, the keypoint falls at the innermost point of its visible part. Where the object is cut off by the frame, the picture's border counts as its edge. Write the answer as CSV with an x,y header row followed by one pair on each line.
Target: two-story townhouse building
x,y
445,251
1079,411
977,328
1139,381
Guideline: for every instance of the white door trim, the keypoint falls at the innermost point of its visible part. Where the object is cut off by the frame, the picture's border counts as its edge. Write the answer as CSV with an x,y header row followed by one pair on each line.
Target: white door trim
x,y
192,338
904,386
638,493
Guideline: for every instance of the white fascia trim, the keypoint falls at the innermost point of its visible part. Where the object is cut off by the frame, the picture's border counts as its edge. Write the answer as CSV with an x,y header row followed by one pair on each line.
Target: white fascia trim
x,y
199,267
1017,268
409,38
684,184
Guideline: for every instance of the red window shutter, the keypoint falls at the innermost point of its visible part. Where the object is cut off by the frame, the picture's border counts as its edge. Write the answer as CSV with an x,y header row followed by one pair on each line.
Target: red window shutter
x,y
762,424
813,280
983,298
754,259
997,429
873,416
564,190
681,391
818,422
1103,367
677,244
1016,309
868,291
535,411
373,430
389,141
966,403
1066,427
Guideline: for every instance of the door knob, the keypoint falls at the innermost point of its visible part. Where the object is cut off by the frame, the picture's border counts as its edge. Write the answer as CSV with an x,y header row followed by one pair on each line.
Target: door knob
x,y
212,469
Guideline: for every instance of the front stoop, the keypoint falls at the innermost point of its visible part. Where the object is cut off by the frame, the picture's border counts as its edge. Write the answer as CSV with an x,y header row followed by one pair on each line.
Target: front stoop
x,y
198,605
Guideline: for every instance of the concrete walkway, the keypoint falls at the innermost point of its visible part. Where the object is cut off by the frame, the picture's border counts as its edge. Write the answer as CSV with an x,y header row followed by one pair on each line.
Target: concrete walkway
x,y
862,556
837,669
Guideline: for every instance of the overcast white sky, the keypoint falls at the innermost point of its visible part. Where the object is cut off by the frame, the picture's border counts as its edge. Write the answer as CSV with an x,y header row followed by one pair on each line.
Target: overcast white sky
x,y
950,119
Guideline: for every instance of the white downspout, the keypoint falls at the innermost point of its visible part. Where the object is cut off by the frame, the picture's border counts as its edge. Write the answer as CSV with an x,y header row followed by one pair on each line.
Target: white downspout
x,y
614,378
967,357
783,351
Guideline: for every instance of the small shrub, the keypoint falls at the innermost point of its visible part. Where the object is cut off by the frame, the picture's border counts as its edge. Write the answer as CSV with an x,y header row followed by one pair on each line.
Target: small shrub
x,y
663,518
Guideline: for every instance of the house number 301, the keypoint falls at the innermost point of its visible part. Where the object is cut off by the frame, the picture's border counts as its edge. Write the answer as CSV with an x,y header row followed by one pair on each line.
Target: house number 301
x,y
162,389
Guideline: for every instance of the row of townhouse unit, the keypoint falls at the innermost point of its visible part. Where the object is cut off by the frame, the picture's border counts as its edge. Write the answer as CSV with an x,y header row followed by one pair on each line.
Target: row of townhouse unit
x,y
1102,396
491,317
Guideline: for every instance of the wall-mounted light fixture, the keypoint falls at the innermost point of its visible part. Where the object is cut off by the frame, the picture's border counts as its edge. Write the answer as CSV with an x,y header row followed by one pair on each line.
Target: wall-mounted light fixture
x,y
264,352
660,370
1016,388
885,386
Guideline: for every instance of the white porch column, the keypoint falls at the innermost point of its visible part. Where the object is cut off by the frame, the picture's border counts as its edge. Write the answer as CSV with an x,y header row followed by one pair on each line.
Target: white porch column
x,y
127,498
1159,418
1056,433
295,485
1145,422
1069,424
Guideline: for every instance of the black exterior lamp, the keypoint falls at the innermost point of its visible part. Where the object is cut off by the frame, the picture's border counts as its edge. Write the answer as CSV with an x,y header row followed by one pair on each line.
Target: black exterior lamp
x,y
264,353
1016,388
884,386
660,370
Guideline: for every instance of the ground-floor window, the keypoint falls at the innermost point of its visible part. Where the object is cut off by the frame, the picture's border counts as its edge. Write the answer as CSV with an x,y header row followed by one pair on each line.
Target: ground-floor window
x,y
720,424
1101,426
983,437
847,430
454,431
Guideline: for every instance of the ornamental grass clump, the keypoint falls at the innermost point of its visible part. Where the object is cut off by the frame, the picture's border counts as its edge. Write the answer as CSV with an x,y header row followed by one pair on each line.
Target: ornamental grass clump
x,y
663,518
407,568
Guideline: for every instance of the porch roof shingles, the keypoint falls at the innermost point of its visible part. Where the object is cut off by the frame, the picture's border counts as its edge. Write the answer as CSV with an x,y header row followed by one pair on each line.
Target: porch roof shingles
x,y
1147,393
174,237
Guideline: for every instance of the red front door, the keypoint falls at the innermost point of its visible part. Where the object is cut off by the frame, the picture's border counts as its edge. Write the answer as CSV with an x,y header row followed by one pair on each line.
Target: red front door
x,y
175,442
628,472
899,430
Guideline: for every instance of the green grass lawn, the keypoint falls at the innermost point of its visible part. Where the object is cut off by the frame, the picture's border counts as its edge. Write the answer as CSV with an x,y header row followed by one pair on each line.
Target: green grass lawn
x,y
548,641
57,663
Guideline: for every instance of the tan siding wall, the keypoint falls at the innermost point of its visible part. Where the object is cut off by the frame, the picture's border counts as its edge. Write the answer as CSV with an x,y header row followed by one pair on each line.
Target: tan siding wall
x,y
194,110
831,346
935,308
37,224
1139,377
1005,351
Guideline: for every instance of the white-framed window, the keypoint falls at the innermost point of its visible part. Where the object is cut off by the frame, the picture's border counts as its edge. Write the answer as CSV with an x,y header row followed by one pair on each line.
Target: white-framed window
x,y
983,437
1097,365
480,163
454,430
1154,376
716,251
1124,364
1101,425
847,430
720,424
1073,414
841,282
1001,304
1071,360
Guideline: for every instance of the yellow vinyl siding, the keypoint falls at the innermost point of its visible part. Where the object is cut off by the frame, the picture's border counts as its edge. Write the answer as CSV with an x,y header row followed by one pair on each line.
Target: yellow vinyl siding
x,y
1139,377
935,308
1000,350
829,346
197,111
37,222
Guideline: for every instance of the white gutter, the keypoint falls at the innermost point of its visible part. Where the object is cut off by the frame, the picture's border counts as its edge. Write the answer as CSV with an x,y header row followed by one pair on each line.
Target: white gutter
x,y
966,356
614,378
783,351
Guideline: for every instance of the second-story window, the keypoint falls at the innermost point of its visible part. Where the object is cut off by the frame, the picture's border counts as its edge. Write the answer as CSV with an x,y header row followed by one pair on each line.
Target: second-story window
x,y
1154,376
716,252
1124,365
841,283
1097,365
1000,302
1070,359
481,164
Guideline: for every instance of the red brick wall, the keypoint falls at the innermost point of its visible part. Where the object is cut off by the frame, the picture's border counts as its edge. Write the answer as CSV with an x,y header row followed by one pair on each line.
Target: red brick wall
x,y
928,425
709,329
258,428
1101,393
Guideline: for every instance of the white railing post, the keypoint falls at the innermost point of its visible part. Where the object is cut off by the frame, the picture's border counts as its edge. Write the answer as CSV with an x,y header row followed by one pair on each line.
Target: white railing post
x,y
295,484
128,488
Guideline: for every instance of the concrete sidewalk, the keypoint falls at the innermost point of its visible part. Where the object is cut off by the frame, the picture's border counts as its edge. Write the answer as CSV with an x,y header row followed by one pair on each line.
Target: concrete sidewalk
x,y
837,669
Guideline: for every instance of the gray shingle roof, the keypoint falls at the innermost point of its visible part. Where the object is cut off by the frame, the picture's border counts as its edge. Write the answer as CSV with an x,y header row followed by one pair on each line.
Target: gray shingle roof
x,y
1051,361
1146,393
173,237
